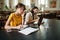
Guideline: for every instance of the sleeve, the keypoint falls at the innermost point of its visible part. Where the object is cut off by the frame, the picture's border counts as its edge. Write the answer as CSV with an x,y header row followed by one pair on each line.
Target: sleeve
x,y
27,18
10,17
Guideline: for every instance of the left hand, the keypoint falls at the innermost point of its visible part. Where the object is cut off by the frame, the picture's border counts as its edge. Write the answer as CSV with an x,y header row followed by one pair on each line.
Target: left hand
x,y
19,27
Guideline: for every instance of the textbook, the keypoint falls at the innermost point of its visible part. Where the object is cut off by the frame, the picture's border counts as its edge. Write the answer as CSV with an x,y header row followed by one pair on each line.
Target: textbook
x,y
28,30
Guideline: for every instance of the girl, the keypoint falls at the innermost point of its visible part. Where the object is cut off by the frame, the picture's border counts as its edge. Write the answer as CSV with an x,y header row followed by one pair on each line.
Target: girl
x,y
15,19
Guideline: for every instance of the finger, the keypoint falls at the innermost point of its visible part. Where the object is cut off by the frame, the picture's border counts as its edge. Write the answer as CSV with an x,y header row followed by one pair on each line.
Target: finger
x,y
21,26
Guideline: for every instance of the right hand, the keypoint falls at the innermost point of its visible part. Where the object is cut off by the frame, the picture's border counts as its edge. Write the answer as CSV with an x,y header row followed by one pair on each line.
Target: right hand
x,y
19,27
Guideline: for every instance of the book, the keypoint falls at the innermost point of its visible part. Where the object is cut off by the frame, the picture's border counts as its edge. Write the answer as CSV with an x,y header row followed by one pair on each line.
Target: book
x,y
28,30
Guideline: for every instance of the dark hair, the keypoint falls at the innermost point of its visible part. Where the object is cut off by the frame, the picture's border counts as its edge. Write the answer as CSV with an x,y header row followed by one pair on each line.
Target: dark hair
x,y
33,9
19,5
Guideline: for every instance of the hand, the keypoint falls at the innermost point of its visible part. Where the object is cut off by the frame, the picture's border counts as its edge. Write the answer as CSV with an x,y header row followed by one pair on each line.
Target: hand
x,y
8,28
19,27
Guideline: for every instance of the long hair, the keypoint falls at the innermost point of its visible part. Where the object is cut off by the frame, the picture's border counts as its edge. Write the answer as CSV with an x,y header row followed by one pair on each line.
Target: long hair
x,y
33,11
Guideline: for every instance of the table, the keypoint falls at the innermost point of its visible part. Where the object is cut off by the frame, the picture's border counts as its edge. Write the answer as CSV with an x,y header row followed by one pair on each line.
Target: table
x,y
52,33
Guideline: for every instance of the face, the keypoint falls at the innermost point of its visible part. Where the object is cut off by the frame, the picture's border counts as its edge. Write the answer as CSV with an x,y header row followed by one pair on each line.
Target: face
x,y
35,10
20,10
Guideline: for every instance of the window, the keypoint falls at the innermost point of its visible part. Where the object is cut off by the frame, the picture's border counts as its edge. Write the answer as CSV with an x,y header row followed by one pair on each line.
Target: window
x,y
27,3
6,3
43,4
15,2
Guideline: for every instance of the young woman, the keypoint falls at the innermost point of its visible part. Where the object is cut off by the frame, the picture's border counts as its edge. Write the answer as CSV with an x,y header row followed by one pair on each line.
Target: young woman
x,y
31,16
15,19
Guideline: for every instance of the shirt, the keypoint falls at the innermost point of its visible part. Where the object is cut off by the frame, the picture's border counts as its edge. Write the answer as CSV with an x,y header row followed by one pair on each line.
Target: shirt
x,y
15,20
28,17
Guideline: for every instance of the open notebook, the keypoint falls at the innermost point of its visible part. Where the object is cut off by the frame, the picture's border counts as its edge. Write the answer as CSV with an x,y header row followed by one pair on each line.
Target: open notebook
x,y
28,30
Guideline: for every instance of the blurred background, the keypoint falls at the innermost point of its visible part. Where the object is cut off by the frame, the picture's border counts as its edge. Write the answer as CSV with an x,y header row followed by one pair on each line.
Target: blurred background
x,y
8,6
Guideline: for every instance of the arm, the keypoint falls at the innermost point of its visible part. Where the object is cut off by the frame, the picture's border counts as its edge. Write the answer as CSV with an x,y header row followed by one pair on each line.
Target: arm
x,y
32,21
9,27
29,19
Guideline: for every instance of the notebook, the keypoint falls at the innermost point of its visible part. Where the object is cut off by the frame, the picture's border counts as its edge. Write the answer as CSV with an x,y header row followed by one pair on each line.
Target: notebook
x,y
28,30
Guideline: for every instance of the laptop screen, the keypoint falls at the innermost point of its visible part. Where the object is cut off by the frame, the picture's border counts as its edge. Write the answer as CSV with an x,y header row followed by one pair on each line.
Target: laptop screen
x,y
40,20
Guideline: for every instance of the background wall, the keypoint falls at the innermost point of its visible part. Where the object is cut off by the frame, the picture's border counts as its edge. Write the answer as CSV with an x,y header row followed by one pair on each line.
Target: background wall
x,y
12,3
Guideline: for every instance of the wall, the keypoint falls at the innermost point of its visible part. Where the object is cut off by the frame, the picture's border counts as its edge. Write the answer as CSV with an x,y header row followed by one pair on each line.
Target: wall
x,y
1,5
58,3
13,3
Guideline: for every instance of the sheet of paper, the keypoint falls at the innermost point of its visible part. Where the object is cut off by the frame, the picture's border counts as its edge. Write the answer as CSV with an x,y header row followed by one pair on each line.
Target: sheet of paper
x,y
24,26
28,30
